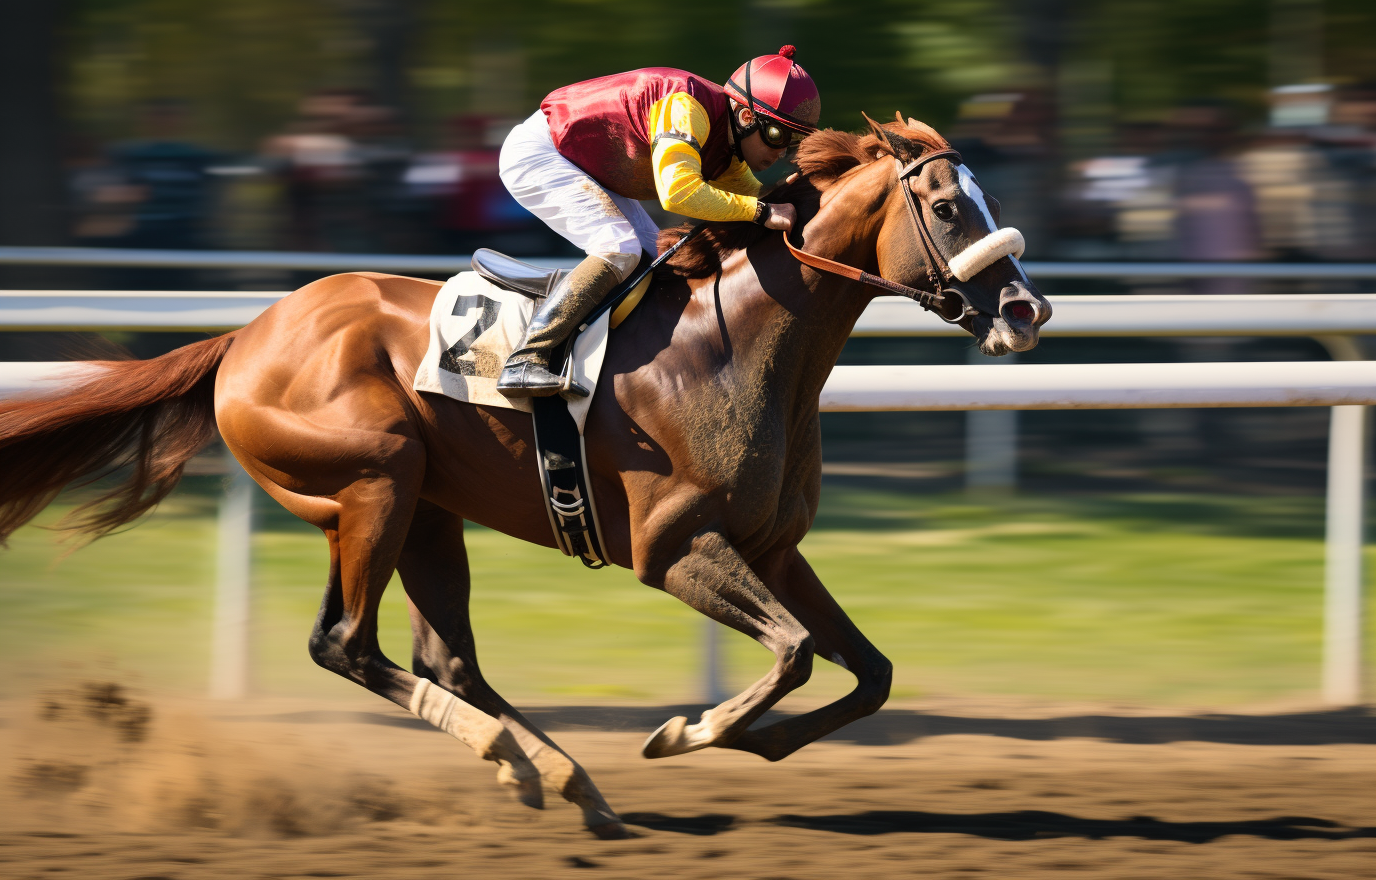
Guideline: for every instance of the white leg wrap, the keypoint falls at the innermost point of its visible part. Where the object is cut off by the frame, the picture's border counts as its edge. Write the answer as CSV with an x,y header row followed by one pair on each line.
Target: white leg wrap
x,y
473,728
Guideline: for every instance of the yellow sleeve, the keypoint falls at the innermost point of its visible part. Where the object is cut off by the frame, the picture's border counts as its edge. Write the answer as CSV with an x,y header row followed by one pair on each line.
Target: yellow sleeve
x,y
678,127
738,179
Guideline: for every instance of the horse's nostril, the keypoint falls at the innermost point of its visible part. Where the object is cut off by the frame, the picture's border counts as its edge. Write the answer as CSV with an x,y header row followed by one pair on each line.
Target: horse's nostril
x,y
1019,311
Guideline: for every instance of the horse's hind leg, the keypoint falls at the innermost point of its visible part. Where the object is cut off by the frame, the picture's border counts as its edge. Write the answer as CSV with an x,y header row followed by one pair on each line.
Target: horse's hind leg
x,y
366,539
434,570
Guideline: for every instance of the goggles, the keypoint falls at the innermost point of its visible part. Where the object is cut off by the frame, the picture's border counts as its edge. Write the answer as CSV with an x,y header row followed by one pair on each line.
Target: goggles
x,y
776,136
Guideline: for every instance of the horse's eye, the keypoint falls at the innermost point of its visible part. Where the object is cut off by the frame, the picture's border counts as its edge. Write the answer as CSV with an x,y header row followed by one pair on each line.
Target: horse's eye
x,y
944,210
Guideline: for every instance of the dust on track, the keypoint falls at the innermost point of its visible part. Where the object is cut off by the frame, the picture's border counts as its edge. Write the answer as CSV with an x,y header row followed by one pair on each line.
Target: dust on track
x,y
108,785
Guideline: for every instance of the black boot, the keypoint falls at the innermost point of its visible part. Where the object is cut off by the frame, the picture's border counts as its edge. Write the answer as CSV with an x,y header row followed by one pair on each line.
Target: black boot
x,y
528,372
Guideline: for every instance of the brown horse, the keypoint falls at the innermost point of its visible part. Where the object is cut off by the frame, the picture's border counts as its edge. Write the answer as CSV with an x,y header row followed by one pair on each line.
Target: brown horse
x,y
705,453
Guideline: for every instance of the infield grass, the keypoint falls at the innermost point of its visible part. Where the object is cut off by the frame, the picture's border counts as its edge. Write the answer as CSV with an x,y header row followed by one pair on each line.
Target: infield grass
x,y
1166,600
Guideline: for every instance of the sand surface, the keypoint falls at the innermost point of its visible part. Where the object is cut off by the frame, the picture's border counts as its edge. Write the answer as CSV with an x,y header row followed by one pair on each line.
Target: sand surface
x,y
102,784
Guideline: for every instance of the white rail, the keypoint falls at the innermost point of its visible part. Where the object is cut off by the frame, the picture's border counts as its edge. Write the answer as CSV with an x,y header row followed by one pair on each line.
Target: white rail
x,y
439,263
1154,315
132,309
1169,315
1099,386
1020,386
1347,385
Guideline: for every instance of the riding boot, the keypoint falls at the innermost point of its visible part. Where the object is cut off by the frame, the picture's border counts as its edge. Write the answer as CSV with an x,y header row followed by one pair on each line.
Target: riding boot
x,y
528,371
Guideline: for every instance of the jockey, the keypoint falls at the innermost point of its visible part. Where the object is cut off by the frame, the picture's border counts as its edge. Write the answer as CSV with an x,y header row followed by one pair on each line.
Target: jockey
x,y
595,148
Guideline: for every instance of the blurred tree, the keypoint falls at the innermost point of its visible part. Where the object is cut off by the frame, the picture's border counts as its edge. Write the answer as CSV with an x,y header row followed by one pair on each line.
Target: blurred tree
x,y
32,191
241,67
244,66
920,58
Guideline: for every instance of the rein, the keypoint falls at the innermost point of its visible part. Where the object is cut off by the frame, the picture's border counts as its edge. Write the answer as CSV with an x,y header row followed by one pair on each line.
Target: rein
x,y
924,298
938,270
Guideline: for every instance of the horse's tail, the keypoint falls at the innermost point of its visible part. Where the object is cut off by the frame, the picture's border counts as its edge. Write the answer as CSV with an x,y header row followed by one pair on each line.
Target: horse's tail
x,y
148,416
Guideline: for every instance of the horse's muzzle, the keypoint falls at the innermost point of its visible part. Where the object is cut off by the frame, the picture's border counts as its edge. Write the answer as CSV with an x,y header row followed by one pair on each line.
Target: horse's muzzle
x,y
1022,307
1022,310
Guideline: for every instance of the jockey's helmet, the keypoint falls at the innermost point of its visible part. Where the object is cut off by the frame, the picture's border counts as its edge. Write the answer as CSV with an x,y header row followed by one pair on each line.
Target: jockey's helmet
x,y
775,86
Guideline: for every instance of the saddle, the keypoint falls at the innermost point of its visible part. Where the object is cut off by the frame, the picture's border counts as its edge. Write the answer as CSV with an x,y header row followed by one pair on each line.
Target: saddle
x,y
536,282
516,275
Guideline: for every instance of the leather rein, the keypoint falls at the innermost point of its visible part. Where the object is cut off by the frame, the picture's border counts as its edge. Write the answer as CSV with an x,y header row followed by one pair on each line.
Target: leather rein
x,y
938,270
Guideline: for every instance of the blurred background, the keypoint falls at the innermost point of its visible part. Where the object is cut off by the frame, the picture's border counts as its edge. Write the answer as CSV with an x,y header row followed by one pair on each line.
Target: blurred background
x,y
1169,556
1212,130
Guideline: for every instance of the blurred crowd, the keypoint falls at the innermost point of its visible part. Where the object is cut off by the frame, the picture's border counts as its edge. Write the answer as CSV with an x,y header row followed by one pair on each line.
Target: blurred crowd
x,y
1201,183
339,177
1197,185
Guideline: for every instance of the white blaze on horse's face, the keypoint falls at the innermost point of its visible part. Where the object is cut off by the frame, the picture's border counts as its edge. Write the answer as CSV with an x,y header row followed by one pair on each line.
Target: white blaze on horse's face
x,y
970,187
994,245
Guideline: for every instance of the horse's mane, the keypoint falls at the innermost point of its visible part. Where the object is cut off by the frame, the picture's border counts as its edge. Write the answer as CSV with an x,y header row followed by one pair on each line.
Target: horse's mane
x,y
823,158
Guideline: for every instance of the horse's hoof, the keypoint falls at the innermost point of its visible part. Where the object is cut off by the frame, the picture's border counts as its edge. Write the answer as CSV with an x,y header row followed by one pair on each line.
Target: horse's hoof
x,y
664,741
527,787
611,831
677,737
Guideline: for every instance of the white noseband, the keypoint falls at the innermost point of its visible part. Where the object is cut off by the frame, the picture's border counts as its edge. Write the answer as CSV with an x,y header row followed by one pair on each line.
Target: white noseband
x,y
1006,242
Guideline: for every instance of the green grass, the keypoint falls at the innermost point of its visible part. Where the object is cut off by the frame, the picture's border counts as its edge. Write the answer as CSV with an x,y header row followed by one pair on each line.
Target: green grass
x,y
1161,599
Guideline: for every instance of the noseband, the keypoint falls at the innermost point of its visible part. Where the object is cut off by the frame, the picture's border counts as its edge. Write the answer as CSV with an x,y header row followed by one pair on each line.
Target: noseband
x,y
939,273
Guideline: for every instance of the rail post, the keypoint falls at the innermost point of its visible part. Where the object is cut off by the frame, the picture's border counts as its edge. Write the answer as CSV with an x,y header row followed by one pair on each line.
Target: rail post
x,y
1343,570
1345,526
230,640
991,440
713,691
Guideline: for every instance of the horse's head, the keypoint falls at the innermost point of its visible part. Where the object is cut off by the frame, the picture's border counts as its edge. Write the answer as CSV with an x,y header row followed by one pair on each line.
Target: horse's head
x,y
943,233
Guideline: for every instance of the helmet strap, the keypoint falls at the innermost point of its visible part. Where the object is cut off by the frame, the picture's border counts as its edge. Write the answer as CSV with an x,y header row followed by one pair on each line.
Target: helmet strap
x,y
744,131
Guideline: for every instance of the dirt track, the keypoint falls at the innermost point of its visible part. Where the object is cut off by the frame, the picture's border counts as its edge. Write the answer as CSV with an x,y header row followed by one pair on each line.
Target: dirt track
x,y
936,789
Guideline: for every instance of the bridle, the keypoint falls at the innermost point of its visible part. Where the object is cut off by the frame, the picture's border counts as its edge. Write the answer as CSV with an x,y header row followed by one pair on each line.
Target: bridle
x,y
939,274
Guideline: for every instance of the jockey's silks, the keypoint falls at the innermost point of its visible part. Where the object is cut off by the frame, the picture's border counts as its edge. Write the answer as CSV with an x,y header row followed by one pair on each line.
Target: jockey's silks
x,y
656,133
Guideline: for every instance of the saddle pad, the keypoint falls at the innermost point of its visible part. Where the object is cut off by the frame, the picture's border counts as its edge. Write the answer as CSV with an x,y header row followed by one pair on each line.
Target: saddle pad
x,y
474,325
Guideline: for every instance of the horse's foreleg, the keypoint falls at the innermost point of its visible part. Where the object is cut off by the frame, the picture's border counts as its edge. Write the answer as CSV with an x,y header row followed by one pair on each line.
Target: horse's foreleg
x,y
838,640
365,544
434,570
712,577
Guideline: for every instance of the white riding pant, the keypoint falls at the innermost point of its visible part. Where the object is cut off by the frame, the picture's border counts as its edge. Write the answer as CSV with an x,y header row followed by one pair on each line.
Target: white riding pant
x,y
574,205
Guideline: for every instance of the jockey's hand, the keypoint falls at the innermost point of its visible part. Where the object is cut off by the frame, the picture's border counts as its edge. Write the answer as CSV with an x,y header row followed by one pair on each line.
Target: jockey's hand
x,y
781,216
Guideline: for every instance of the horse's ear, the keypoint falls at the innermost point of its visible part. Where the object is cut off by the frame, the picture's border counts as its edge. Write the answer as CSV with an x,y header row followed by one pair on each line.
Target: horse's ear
x,y
926,129
899,146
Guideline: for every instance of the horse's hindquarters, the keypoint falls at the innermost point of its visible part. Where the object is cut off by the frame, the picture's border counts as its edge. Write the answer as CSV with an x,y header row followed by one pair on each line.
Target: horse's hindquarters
x,y
310,398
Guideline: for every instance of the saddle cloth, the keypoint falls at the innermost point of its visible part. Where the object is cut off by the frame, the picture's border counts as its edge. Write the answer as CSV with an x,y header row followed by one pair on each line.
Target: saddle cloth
x,y
474,325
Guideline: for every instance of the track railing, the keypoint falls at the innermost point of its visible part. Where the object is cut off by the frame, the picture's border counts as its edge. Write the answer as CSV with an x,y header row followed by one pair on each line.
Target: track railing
x,y
297,261
1347,385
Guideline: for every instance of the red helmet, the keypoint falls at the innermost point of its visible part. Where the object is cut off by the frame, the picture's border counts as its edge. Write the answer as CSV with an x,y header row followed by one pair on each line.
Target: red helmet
x,y
775,86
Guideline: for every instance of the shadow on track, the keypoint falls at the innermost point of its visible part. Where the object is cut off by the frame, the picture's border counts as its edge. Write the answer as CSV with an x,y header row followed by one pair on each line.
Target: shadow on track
x,y
1038,824
1019,825
1342,726
897,726
701,826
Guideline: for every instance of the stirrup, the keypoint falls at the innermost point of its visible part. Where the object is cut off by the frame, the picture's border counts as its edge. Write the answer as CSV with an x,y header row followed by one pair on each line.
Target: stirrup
x,y
569,389
521,385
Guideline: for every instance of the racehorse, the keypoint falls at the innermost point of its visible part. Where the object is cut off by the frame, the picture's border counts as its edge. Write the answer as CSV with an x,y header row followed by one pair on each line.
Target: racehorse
x,y
705,455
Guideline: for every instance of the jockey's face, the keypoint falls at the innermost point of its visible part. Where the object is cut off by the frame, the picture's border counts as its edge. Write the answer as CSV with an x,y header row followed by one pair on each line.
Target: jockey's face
x,y
757,154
